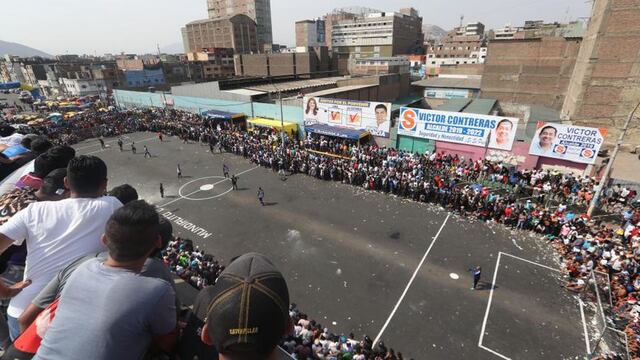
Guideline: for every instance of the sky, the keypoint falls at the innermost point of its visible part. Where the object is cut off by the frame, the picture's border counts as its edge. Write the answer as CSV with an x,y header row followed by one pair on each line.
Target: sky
x,y
136,26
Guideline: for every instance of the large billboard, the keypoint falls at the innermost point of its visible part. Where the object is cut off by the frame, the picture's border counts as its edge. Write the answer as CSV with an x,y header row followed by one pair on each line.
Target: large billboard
x,y
568,142
374,117
496,132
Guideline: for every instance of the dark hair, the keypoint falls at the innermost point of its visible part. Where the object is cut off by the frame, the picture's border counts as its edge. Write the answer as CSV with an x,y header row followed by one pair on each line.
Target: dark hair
x,y
503,121
165,229
6,130
55,158
125,193
315,110
132,231
40,145
86,174
53,182
381,106
555,131
26,142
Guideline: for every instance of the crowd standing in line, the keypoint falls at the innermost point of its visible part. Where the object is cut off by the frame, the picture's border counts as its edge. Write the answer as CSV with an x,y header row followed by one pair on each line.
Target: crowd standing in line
x,y
542,201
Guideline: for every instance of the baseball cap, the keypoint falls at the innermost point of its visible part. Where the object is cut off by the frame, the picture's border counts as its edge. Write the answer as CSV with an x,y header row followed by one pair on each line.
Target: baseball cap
x,y
249,308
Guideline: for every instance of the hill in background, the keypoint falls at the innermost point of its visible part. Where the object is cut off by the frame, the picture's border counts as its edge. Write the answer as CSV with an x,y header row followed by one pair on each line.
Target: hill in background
x,y
16,49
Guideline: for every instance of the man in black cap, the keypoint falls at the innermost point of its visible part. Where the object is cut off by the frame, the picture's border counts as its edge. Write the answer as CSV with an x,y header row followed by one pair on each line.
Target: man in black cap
x,y
246,313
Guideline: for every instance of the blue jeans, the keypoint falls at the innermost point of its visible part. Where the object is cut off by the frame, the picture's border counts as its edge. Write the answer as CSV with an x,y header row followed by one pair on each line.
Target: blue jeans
x,y
14,328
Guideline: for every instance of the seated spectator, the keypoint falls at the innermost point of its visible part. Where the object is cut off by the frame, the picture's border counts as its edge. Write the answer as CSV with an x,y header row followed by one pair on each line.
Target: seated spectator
x,y
129,310
264,313
53,189
125,193
56,157
57,231
12,153
9,137
37,146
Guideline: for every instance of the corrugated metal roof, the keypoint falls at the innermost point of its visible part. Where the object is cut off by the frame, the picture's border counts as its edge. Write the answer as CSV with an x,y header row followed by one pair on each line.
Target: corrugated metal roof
x,y
480,106
296,85
247,92
452,83
339,90
405,101
454,105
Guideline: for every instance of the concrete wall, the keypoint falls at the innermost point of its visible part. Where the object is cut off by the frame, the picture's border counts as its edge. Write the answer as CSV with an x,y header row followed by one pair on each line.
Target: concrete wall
x,y
209,90
530,71
281,64
130,99
606,80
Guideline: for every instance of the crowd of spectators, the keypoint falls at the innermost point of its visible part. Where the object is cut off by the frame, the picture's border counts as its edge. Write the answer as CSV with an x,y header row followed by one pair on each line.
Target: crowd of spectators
x,y
191,264
546,202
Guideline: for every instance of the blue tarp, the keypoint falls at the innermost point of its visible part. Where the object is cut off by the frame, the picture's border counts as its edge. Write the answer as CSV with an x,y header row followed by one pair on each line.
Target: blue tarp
x,y
340,132
217,114
9,85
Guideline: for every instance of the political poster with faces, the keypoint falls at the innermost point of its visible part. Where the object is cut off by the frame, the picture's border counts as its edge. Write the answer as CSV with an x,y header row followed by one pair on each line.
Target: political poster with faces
x,y
568,142
374,117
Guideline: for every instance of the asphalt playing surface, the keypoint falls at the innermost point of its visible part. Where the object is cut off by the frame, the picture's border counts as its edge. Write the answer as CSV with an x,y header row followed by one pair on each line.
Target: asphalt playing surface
x,y
349,254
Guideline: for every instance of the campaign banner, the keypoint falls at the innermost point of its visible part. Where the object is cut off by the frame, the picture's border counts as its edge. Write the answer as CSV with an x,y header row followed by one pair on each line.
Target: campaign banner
x,y
495,132
568,142
374,117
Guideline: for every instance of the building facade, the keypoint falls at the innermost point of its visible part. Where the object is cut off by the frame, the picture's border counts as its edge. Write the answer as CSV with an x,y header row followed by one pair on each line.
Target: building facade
x,y
379,34
462,45
380,66
258,10
214,63
238,32
314,61
310,33
82,87
332,18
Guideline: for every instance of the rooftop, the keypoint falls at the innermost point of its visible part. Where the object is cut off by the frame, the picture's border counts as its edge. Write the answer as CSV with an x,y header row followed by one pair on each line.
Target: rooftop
x,y
454,105
339,90
452,83
480,106
247,92
295,85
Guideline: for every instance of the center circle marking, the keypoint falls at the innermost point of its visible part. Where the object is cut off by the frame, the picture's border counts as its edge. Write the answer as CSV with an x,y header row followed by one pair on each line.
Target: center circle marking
x,y
205,187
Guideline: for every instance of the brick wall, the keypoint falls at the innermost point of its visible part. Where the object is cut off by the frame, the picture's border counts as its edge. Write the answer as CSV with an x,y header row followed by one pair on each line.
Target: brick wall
x,y
531,71
606,81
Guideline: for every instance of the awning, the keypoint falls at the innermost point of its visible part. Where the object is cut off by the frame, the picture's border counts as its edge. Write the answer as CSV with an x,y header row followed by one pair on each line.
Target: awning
x,y
345,133
217,114
289,127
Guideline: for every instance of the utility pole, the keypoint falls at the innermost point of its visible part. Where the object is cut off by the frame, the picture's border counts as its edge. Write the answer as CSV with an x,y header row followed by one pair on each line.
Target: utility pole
x,y
605,176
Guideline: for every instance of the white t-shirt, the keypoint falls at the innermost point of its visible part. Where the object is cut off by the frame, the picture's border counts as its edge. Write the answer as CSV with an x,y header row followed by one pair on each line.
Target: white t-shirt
x,y
11,140
56,232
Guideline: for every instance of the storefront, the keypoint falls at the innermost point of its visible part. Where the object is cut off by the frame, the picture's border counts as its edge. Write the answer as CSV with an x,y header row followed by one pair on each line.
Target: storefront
x,y
414,144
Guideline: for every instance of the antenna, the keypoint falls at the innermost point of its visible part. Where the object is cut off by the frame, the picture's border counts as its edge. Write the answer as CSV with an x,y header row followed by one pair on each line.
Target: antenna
x,y
461,19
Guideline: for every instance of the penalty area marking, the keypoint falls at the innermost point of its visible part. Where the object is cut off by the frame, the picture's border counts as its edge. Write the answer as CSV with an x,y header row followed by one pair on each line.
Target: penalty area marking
x,y
493,283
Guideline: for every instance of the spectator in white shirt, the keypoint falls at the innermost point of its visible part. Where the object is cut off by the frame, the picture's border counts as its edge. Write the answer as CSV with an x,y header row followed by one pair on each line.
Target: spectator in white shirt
x,y
57,232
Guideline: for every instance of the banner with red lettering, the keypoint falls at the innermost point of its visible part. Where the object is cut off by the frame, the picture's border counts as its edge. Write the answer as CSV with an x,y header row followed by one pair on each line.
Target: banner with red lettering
x,y
374,117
